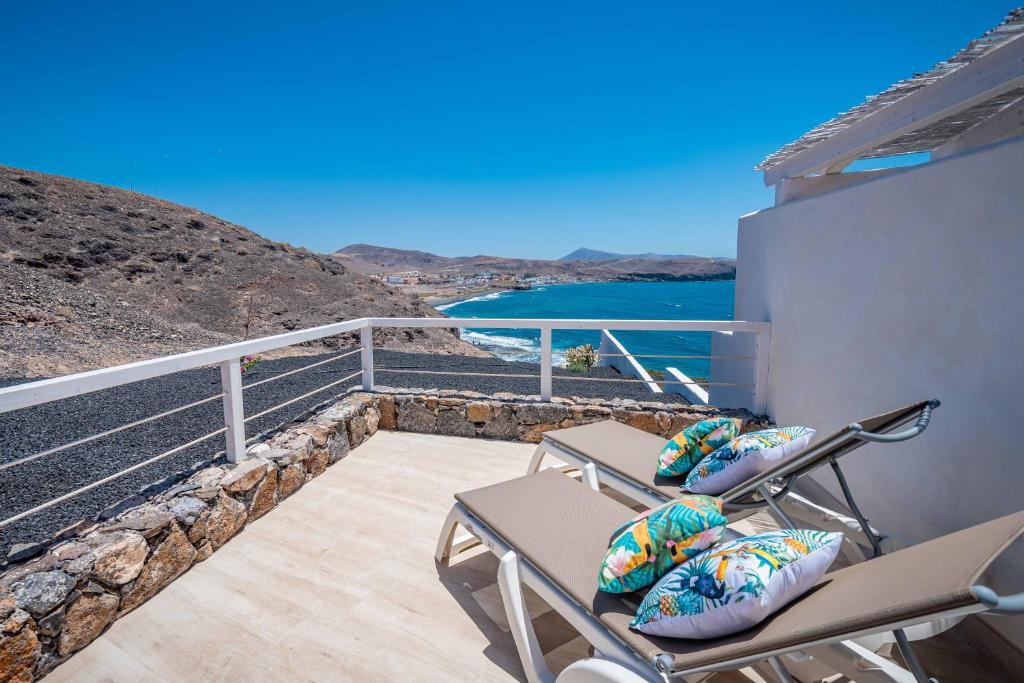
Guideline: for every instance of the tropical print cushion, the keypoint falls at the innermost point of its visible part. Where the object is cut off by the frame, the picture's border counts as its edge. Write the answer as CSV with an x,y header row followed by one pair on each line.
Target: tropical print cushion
x,y
689,446
648,546
736,585
745,456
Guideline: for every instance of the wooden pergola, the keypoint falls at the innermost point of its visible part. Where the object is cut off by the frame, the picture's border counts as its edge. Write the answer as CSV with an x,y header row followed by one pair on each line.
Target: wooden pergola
x,y
973,99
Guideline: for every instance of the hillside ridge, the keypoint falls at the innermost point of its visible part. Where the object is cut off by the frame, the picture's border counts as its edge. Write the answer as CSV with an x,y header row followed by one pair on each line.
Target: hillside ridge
x,y
70,248
368,258
588,254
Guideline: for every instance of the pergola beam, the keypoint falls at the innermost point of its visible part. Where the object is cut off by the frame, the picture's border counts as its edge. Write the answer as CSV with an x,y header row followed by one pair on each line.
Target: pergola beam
x,y
988,76
1007,122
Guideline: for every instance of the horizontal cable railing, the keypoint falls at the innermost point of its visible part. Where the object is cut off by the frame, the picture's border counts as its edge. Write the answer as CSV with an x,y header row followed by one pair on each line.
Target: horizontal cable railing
x,y
228,357
672,355
304,396
105,480
304,368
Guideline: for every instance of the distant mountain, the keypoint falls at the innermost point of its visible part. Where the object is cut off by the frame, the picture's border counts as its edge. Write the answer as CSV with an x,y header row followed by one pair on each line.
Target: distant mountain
x,y
92,276
389,258
367,258
585,254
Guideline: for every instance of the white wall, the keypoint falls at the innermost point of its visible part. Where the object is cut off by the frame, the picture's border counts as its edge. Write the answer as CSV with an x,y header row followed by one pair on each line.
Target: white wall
x,y
905,288
613,354
726,348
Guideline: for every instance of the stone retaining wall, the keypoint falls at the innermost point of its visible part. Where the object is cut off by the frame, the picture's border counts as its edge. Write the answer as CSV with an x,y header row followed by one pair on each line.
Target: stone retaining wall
x,y
58,601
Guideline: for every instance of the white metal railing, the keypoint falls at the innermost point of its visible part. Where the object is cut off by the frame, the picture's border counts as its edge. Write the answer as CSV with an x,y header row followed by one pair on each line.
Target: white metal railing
x,y
227,357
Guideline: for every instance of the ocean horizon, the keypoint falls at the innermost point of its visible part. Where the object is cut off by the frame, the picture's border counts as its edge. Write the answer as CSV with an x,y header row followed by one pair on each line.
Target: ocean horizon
x,y
694,300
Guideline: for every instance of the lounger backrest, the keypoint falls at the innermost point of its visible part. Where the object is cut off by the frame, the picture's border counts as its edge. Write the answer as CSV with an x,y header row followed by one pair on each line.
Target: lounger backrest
x,y
911,585
561,528
835,445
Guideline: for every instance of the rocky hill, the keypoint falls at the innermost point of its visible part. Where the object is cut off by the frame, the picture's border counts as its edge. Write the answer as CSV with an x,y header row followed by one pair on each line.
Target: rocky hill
x,y
368,258
93,276
587,254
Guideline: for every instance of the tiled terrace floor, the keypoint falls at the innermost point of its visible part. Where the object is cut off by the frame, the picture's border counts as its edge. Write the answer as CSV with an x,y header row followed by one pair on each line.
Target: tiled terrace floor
x,y
339,583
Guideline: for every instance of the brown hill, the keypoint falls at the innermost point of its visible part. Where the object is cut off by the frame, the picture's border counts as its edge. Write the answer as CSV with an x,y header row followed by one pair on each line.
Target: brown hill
x,y
367,258
93,276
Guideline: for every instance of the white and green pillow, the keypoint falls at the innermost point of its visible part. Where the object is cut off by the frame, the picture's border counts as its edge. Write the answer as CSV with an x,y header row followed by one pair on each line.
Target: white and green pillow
x,y
688,447
736,585
745,456
649,545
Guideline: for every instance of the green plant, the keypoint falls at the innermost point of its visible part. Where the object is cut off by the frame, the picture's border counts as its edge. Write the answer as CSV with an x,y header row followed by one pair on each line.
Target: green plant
x,y
584,357
578,368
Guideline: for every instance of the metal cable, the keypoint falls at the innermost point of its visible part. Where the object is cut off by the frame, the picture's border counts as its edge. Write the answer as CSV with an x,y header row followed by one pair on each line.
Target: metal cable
x,y
662,355
570,378
460,374
99,435
299,398
302,369
112,477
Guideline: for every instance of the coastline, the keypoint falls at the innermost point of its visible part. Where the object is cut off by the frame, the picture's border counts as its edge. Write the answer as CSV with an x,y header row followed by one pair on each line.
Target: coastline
x,y
444,298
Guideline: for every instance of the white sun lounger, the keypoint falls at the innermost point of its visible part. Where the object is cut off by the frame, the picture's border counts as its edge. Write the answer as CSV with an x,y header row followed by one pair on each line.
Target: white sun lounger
x,y
626,460
551,534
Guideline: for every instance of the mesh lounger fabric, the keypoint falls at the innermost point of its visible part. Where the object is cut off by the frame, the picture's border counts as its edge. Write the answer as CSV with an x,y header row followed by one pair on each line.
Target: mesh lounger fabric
x,y
633,453
562,528
624,450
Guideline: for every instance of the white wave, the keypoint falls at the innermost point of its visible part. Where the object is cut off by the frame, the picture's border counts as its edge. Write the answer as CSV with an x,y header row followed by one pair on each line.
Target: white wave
x,y
483,297
512,348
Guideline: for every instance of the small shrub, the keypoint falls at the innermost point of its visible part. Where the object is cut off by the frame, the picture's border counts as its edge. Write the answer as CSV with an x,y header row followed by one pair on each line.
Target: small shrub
x,y
585,357
248,362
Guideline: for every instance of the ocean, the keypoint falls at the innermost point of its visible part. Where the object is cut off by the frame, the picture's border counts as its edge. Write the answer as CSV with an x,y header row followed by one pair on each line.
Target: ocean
x,y
705,300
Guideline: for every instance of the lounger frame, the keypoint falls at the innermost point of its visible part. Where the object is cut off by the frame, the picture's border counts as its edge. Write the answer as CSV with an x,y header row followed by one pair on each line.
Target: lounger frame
x,y
773,486
614,661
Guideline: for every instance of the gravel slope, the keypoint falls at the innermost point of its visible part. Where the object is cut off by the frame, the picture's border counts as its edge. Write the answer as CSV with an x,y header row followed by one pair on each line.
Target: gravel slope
x,y
32,430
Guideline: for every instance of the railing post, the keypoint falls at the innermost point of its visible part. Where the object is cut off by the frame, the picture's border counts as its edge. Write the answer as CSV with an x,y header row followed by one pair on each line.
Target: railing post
x,y
545,363
366,339
762,352
234,412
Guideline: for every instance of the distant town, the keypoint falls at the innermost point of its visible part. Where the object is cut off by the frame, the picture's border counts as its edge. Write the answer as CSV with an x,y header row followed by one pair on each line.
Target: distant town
x,y
441,279
415,277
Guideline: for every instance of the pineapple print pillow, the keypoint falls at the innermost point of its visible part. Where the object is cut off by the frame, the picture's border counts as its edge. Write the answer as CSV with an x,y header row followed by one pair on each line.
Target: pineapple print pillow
x,y
745,456
737,585
649,545
689,446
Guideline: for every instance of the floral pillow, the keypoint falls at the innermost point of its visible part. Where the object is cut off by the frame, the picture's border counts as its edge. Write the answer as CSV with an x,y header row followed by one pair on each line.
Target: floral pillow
x,y
686,448
649,545
745,456
737,585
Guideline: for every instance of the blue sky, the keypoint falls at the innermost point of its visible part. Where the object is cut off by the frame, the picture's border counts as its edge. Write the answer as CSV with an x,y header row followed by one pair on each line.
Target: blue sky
x,y
519,129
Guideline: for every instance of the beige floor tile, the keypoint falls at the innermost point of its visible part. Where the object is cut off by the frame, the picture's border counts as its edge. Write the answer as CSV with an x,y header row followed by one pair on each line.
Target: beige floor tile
x,y
338,583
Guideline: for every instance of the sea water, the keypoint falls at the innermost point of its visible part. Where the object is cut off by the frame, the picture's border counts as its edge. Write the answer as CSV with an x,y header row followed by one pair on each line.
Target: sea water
x,y
703,300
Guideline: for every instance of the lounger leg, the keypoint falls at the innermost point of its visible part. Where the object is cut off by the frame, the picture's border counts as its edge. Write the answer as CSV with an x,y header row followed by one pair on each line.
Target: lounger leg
x,y
447,545
519,621
538,456
590,476
598,670
775,508
860,664
819,517
780,670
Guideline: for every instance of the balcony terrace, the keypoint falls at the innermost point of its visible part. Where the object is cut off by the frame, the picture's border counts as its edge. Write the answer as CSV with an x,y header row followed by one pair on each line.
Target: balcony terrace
x,y
339,583
305,551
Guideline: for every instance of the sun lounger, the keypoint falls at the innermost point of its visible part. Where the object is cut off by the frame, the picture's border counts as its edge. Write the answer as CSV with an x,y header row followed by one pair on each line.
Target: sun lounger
x,y
551,534
626,459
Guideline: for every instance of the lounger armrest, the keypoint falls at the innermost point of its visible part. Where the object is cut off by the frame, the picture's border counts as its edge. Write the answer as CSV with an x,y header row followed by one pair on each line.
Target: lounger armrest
x,y
999,604
922,424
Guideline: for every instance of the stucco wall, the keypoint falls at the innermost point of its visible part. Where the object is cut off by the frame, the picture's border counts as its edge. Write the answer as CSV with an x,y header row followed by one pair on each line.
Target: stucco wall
x,y
900,289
